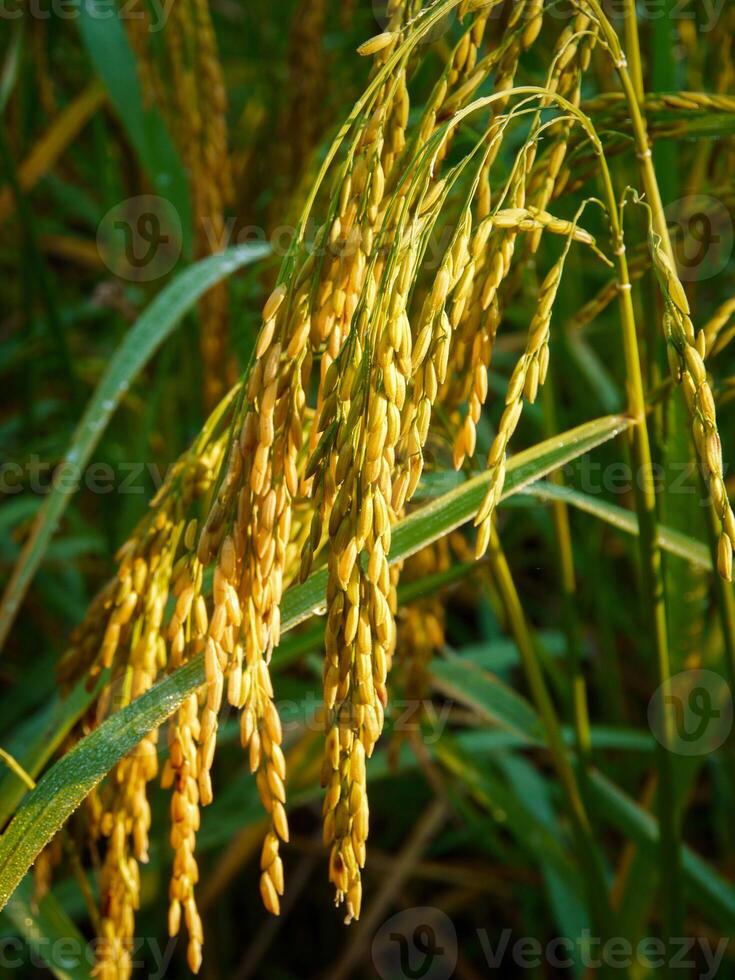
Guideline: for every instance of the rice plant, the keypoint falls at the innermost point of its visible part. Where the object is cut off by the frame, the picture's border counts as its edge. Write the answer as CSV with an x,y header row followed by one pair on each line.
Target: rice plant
x,y
368,528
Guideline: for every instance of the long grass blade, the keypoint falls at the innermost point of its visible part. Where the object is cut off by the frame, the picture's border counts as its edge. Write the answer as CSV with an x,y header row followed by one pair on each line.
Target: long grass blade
x,y
670,540
141,342
66,784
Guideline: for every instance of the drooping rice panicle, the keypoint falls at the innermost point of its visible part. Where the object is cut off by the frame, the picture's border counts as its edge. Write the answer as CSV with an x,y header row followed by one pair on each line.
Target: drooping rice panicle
x,y
529,373
375,345
686,349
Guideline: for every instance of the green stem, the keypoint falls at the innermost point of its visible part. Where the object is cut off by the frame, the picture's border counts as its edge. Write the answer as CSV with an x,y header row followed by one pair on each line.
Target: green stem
x,y
638,124
726,603
653,590
591,860
653,583
645,491
565,557
633,47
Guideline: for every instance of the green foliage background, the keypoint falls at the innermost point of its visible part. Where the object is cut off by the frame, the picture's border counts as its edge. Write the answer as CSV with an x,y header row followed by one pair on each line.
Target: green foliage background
x,y
472,818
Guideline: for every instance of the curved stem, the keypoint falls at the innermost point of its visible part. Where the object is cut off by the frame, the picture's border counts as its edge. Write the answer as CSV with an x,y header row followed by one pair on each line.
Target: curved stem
x,y
637,120
670,842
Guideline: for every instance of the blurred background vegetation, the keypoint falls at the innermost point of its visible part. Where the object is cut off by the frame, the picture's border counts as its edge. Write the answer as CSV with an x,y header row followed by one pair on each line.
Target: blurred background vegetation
x,y
206,127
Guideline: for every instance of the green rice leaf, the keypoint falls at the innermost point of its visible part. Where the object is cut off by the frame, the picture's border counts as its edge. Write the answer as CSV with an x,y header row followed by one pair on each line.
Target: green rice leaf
x,y
669,540
489,696
67,783
107,45
712,895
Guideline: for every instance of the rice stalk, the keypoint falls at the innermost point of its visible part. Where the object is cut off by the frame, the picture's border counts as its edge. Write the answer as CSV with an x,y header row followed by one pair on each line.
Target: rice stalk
x,y
368,346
